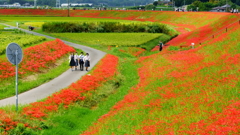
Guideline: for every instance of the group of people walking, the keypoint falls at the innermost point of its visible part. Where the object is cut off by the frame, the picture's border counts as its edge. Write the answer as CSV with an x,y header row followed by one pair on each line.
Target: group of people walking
x,y
75,60
234,11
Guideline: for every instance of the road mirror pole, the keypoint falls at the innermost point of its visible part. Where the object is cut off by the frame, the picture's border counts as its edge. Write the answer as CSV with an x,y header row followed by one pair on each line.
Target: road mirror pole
x,y
16,56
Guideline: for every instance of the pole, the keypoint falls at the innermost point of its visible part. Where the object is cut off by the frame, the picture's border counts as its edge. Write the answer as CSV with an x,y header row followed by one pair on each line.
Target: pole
x,y
173,5
35,3
16,54
68,9
226,5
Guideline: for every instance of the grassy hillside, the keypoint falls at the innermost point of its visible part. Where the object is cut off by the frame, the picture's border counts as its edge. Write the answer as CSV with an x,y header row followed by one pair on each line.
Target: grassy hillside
x,y
183,92
177,91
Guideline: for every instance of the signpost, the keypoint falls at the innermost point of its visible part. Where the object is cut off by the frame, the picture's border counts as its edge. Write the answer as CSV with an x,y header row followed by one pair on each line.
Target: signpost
x,y
14,55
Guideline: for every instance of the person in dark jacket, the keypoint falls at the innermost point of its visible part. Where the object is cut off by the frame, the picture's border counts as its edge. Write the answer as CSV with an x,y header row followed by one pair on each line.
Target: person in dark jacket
x,y
160,45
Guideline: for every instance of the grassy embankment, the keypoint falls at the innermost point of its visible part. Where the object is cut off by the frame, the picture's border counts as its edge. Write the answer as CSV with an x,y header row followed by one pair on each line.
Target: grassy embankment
x,y
28,80
179,92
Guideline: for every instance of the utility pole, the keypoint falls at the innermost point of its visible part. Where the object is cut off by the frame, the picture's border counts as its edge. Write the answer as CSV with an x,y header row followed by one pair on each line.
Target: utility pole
x,y
226,5
68,9
35,3
173,5
58,4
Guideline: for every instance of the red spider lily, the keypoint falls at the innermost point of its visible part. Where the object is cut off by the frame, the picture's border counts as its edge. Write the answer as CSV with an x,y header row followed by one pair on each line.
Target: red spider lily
x,y
188,90
36,58
104,71
36,12
7,123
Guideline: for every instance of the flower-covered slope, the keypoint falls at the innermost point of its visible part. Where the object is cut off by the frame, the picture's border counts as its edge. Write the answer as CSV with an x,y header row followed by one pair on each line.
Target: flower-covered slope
x,y
183,92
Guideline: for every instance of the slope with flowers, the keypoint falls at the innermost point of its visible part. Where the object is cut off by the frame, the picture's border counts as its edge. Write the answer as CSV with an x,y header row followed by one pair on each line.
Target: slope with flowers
x,y
184,20
31,117
194,91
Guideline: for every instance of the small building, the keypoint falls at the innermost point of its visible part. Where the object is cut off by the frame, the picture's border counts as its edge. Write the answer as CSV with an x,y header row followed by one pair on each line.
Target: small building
x,y
221,9
76,4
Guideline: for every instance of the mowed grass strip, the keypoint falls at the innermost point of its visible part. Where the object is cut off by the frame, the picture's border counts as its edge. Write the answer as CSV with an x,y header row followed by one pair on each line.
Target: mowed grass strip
x,y
38,21
110,39
21,39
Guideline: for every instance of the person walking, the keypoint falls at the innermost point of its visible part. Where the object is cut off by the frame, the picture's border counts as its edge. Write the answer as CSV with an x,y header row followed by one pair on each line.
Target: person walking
x,y
72,60
160,45
81,62
86,60
76,61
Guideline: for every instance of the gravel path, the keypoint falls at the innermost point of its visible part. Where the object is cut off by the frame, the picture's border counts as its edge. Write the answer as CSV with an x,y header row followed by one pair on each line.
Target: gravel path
x,y
62,81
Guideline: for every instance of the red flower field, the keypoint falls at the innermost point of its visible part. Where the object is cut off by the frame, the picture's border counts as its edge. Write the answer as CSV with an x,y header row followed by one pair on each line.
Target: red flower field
x,y
66,97
35,58
183,91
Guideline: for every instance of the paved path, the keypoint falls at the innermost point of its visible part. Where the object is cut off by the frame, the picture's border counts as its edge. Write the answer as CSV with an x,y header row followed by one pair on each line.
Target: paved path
x,y
62,81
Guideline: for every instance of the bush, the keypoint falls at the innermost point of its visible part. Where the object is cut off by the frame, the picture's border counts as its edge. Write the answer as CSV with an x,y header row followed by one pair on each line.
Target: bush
x,y
106,27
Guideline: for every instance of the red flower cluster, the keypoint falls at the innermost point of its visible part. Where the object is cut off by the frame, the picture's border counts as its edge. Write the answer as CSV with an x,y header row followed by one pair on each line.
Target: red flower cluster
x,y
205,33
37,12
106,69
36,58
43,55
6,69
6,123
226,122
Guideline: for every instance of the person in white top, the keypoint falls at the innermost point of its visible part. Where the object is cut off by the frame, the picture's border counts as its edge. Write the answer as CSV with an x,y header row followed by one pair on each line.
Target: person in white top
x,y
76,60
86,60
72,60
81,62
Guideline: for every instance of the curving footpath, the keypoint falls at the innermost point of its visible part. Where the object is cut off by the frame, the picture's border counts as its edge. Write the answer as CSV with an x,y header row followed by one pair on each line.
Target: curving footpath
x,y
62,81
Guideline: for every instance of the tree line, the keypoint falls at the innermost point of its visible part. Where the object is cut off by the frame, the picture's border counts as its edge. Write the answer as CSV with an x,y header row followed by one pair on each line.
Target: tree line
x,y
120,3
52,3
218,2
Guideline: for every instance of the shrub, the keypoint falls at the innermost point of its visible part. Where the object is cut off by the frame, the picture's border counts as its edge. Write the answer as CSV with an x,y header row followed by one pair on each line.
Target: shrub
x,y
106,27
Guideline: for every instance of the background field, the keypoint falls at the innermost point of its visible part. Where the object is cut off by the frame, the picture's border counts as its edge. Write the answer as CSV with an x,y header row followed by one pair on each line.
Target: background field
x,y
110,39
21,39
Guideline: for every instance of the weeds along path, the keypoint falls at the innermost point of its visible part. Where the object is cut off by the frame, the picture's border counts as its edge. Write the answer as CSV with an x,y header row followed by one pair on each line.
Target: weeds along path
x,y
62,81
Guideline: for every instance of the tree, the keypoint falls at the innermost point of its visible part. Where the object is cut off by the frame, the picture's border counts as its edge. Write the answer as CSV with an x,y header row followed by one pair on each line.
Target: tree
x,y
155,3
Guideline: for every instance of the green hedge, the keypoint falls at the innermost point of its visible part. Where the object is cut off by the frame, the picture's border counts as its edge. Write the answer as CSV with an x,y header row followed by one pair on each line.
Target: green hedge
x,y
106,27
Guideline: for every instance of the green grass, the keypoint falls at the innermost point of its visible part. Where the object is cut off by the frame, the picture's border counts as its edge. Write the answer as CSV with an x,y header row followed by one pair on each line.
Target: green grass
x,y
38,21
110,39
7,88
22,39
78,118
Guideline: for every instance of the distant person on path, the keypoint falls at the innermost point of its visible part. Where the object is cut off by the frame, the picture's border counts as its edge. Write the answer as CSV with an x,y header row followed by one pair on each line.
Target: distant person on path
x,y
30,28
86,60
160,45
72,62
81,62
